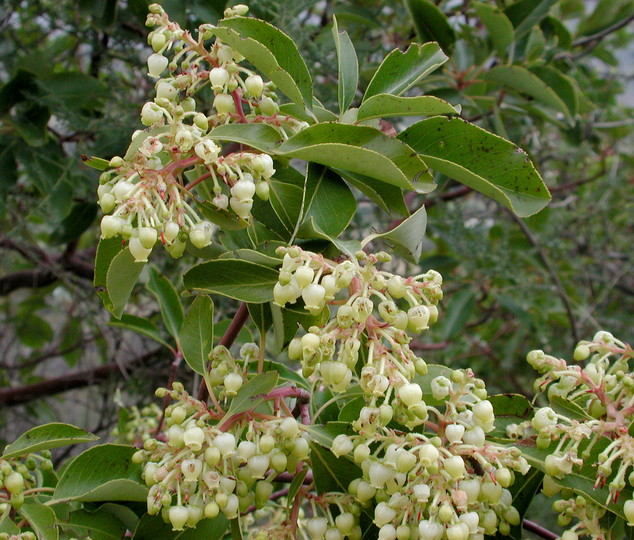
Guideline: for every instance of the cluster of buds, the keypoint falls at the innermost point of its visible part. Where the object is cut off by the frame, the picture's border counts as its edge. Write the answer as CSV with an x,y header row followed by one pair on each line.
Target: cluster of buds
x,y
139,424
446,482
147,195
19,475
205,467
586,514
604,391
225,371
376,310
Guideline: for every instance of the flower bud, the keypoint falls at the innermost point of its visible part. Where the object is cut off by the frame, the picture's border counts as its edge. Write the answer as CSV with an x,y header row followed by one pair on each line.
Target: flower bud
x,y
243,190
14,482
341,445
111,226
268,107
194,438
147,237
241,207
122,189
156,64
233,382
316,527
263,164
226,443
178,516
454,466
313,296
218,77
254,85
410,394
224,104
383,514
137,250
454,433
191,469
158,41
418,318
263,190
628,510
166,90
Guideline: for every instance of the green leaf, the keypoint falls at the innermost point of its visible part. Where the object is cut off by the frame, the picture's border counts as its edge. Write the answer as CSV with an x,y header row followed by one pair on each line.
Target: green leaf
x,y
106,252
310,230
400,71
169,302
153,528
261,316
251,394
286,374
121,277
527,13
481,160
286,201
348,67
561,84
272,52
46,437
197,333
225,219
328,200
34,331
528,83
431,23
605,14
140,325
76,90
78,220
102,473
388,105
98,525
387,196
582,481
359,149
253,256
241,280
406,238
95,162
296,484
523,491
458,312
41,519
498,26
7,525
263,137
331,473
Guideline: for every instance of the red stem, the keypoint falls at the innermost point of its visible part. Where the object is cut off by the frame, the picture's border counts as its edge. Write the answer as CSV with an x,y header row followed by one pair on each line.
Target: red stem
x,y
239,319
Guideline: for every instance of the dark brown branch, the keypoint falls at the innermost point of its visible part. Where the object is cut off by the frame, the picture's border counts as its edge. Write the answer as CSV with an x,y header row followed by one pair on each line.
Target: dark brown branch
x,y
42,277
71,381
605,32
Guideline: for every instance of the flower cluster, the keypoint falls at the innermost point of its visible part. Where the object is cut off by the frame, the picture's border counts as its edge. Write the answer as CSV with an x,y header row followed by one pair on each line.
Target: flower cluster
x,y
602,392
378,310
442,479
147,194
20,475
447,481
206,466
138,424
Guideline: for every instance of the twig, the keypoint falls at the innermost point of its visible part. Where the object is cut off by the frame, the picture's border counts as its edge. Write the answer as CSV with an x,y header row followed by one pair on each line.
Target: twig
x,y
80,379
552,272
239,319
539,530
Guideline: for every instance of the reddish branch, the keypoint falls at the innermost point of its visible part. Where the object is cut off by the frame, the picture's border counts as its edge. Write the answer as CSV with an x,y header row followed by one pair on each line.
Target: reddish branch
x,y
227,340
71,381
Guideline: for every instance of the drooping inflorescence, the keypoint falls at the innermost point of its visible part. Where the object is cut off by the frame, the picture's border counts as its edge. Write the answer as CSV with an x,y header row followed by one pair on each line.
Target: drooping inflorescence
x,y
148,193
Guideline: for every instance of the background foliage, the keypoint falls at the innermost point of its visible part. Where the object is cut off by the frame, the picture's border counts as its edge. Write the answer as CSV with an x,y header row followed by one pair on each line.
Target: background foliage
x,y
550,75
